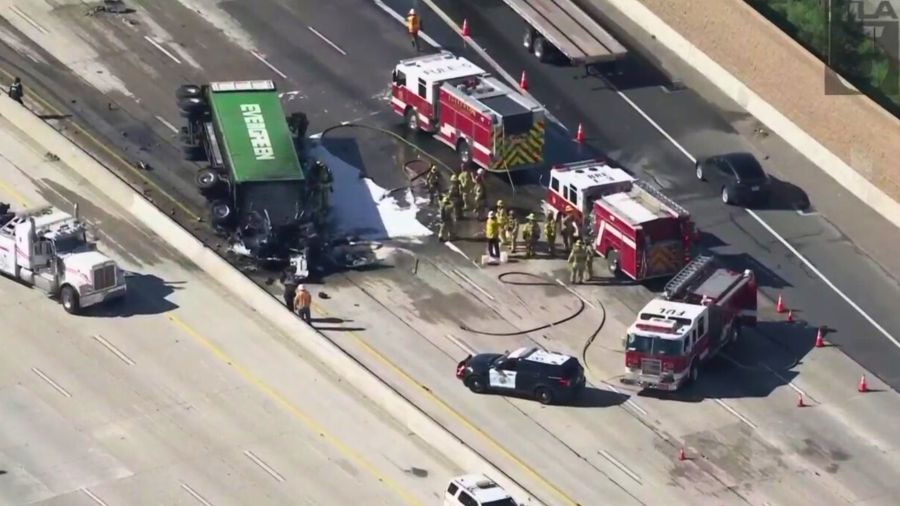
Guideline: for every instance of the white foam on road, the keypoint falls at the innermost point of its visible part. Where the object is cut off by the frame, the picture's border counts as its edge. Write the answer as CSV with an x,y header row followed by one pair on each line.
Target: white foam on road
x,y
363,209
164,38
216,16
20,46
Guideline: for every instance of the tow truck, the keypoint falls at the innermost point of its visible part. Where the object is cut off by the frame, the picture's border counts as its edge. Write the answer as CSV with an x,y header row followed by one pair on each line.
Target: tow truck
x,y
561,25
702,309
48,249
641,233
485,121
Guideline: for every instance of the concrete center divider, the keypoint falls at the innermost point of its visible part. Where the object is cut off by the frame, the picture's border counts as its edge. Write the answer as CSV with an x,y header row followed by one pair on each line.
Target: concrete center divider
x,y
245,290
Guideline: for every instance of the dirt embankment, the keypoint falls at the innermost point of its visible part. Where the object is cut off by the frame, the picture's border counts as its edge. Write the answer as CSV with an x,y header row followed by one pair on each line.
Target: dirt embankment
x,y
784,74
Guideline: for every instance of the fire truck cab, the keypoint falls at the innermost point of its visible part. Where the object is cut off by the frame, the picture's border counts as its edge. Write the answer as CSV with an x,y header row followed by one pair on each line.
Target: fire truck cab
x,y
642,233
485,121
702,310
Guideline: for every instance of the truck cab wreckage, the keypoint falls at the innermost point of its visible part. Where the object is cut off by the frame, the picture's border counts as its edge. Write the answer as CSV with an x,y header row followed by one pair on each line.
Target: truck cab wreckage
x,y
272,204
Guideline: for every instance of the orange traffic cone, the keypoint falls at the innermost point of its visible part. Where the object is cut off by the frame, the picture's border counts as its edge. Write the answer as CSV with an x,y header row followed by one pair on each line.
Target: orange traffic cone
x,y
790,317
681,455
800,403
579,136
820,339
779,307
465,28
863,385
523,83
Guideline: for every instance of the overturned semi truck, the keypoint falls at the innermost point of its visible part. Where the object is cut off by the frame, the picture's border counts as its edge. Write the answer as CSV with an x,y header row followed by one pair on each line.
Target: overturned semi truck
x,y
259,188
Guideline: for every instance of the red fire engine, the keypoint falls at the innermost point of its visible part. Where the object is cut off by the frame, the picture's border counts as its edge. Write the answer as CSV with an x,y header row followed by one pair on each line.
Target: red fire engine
x,y
703,308
642,233
484,120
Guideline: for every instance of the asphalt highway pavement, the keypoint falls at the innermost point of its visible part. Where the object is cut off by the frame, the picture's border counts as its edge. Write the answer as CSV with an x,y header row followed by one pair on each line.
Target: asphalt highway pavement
x,y
860,267
178,394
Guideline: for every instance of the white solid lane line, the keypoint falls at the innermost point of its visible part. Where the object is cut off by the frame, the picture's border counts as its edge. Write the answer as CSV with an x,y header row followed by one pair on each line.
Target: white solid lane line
x,y
28,19
164,51
93,497
265,467
332,44
267,64
167,124
195,495
50,382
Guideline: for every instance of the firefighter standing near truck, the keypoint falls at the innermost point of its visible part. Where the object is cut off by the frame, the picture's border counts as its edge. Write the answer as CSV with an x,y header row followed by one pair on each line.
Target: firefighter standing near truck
x,y
503,221
413,25
550,232
512,231
480,199
447,229
492,232
568,229
577,261
433,185
465,187
455,195
588,262
530,235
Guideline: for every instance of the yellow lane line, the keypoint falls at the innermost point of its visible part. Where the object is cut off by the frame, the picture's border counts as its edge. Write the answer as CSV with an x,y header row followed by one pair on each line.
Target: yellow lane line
x,y
109,151
456,415
314,426
14,194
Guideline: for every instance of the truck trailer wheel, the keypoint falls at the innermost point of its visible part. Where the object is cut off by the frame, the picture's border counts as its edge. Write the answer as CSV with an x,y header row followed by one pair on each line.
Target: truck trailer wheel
x,y
464,151
220,213
541,48
528,38
192,104
69,298
188,91
207,181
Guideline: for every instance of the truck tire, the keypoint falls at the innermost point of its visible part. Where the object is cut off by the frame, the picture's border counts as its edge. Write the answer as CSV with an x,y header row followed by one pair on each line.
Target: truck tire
x,y
694,373
476,384
207,180
727,199
698,171
68,296
193,104
612,262
543,395
541,48
188,91
528,38
464,151
298,122
412,121
221,213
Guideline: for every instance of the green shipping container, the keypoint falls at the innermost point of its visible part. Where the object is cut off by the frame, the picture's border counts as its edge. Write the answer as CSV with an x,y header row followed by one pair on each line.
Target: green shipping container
x,y
256,140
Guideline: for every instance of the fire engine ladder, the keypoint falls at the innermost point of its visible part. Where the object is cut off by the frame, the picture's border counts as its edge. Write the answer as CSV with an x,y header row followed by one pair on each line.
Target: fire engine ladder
x,y
676,285
10,227
658,195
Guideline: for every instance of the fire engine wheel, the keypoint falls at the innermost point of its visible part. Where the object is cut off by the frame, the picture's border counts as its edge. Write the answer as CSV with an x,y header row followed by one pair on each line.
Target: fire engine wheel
x,y
464,151
695,372
543,395
540,49
476,384
528,38
69,298
612,262
699,171
412,120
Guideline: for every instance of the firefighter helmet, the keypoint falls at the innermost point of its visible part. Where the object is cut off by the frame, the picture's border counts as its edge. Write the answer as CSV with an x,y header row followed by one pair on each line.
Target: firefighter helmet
x,y
454,178
412,12
531,217
491,215
499,203
579,242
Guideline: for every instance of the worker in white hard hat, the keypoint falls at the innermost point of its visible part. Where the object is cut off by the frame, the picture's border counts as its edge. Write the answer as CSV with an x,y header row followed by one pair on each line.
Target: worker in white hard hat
x,y
302,303
413,25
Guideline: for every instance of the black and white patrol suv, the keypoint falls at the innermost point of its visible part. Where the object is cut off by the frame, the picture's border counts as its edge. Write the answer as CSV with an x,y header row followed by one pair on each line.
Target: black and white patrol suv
x,y
545,375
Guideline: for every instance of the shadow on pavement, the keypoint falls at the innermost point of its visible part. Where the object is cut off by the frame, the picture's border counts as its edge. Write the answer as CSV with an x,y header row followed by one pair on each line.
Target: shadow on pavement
x,y
598,398
147,295
786,197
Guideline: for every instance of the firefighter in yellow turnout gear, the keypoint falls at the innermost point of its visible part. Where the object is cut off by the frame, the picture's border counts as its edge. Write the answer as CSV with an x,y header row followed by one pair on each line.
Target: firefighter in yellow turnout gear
x,y
447,230
577,261
550,232
512,231
530,235
433,185
455,195
503,221
465,189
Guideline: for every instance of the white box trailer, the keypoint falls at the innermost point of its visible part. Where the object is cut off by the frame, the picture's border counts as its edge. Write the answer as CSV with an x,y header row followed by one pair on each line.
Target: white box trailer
x,y
49,249
564,26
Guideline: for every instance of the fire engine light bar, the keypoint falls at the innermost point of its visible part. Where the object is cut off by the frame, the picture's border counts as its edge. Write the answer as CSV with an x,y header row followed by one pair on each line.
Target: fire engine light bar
x,y
579,165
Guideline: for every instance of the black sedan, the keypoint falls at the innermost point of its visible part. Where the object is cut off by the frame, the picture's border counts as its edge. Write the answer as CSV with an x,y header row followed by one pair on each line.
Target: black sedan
x,y
739,176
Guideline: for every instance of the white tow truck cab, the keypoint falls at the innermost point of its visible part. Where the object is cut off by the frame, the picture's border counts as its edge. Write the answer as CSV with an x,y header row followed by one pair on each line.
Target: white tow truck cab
x,y
48,248
476,490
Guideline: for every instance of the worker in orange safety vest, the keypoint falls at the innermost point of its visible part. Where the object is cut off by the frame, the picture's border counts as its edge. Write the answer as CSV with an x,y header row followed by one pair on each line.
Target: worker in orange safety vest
x,y
302,303
413,25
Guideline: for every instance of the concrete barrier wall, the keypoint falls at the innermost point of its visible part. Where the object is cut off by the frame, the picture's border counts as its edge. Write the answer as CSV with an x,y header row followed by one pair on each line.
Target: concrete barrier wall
x,y
776,80
244,289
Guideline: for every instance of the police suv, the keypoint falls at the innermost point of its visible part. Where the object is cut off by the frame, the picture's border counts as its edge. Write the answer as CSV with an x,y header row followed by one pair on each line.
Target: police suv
x,y
476,490
545,375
